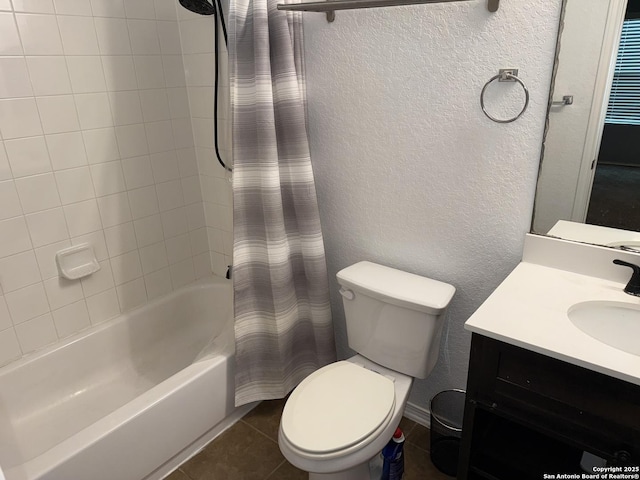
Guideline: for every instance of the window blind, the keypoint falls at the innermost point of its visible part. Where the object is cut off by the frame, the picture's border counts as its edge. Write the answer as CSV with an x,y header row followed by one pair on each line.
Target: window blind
x,y
624,101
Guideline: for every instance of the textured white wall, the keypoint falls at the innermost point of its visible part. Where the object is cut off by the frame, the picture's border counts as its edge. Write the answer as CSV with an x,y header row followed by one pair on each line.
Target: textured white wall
x,y
409,171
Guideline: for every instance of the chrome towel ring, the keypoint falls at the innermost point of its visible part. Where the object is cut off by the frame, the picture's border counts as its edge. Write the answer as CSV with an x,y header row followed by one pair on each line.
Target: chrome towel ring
x,y
505,75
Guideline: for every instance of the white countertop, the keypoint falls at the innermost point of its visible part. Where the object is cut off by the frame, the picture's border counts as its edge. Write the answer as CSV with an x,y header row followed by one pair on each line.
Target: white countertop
x,y
529,310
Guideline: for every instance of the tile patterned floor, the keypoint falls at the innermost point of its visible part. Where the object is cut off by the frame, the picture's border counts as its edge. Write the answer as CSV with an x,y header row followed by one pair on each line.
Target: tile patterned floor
x,y
249,451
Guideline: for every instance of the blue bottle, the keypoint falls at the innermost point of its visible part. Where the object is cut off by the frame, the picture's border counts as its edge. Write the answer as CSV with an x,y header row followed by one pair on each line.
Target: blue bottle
x,y
393,465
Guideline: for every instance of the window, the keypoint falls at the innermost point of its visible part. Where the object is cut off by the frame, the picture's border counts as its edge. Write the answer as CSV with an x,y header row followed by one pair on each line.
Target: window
x,y
624,101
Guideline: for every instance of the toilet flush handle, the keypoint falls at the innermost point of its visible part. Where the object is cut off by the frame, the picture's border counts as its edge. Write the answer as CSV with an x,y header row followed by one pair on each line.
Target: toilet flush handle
x,y
346,293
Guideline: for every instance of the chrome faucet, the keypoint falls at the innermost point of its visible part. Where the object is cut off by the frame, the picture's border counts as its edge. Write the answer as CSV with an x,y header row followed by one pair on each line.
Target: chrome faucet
x,y
633,287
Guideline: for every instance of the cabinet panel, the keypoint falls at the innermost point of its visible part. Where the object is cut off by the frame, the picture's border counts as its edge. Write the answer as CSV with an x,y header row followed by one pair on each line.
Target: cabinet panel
x,y
521,401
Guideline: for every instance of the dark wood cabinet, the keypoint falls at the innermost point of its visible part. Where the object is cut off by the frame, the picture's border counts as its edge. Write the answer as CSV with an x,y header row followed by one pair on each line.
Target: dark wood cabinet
x,y
527,415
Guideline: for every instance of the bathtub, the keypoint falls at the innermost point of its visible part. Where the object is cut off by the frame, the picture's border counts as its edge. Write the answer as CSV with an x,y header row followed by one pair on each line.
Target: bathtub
x,y
129,399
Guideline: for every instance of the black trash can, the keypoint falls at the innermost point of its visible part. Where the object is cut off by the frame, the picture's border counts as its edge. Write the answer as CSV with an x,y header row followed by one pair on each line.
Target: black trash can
x,y
447,410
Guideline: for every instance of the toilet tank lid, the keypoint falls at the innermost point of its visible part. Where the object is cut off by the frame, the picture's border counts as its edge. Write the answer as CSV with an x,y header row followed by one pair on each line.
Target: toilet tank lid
x,y
397,287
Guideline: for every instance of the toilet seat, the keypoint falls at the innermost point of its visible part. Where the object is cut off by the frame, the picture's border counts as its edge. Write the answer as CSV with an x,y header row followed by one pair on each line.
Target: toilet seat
x,y
337,407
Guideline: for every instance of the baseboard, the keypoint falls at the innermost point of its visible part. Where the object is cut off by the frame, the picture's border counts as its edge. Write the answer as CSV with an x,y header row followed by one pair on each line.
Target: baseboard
x,y
418,414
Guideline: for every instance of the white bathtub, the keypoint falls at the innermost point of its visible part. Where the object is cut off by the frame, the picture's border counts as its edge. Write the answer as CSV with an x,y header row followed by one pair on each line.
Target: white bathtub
x,y
126,400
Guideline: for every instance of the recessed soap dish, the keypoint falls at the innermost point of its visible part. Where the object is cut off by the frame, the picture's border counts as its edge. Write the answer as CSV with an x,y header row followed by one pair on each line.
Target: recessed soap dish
x,y
77,261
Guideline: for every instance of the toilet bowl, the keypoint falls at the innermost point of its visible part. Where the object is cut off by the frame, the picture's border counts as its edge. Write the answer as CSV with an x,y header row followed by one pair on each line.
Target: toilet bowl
x,y
341,416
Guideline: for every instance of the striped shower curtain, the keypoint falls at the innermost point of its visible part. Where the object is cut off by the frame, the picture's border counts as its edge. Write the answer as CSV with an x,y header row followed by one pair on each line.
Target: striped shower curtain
x,y
283,322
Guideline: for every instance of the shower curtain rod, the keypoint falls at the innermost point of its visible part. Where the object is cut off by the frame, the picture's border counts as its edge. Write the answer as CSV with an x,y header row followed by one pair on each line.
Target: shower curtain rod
x,y
330,6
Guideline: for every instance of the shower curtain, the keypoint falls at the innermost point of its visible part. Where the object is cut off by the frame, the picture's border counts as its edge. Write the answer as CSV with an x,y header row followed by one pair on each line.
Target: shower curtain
x,y
282,314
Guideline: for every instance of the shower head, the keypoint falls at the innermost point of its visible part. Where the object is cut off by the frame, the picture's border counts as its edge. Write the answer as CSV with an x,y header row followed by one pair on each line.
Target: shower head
x,y
202,7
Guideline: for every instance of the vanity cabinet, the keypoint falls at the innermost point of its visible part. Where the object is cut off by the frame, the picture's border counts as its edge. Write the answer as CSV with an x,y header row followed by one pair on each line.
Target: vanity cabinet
x,y
527,415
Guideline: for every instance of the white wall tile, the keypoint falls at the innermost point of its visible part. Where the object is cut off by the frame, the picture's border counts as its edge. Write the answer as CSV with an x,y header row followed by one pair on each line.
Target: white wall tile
x,y
182,273
108,178
132,140
94,110
174,72
169,195
98,281
131,294
195,216
159,136
39,34
73,7
137,172
155,105
153,257
108,8
49,75
71,318
61,292
120,239
165,9
9,39
37,333
19,118
47,226
18,271
5,318
82,218
149,71
178,102
9,346
187,162
148,230
15,78
183,134
199,69
126,267
191,190
143,35
58,114
140,9
97,242
78,35
143,201
46,257
125,107
38,192
113,36
5,170
33,6
101,145
119,72
169,36
74,185
103,306
86,74
219,264
178,248
9,201
202,265
158,283
28,156
165,166
174,222
27,303
114,209
66,150
216,243
199,241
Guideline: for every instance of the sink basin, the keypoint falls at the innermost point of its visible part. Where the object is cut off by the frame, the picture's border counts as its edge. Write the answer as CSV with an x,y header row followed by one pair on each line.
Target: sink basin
x,y
615,323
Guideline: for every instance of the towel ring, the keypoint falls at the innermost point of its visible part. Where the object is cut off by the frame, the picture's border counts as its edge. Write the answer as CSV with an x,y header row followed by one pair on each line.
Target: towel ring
x,y
505,76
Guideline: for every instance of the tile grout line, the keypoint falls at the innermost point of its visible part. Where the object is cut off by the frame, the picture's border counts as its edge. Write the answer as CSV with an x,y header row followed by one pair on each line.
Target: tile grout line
x,y
259,431
275,469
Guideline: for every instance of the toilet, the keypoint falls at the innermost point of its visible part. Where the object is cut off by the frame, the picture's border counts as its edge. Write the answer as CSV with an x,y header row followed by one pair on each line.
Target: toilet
x,y
342,415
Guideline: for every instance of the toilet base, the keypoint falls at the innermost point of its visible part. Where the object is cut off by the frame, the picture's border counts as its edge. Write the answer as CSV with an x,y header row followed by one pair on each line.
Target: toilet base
x,y
359,472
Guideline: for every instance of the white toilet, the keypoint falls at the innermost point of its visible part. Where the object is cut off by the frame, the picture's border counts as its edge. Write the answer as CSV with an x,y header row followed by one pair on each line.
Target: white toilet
x,y
342,415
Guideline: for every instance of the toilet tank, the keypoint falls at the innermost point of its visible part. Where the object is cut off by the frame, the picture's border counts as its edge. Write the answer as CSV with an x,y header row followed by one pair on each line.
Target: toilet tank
x,y
394,318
